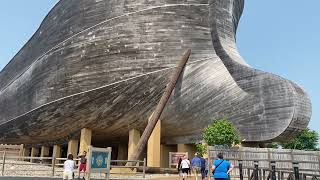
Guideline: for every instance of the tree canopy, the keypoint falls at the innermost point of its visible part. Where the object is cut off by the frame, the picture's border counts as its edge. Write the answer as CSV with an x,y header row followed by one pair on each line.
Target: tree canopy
x,y
306,140
201,149
221,132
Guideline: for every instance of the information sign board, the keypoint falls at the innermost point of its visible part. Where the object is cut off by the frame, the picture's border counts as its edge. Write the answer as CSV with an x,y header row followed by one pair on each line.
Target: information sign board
x,y
175,156
99,161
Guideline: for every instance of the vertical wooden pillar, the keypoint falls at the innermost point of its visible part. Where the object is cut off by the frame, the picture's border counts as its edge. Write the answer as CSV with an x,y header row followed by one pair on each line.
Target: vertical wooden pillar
x,y
85,140
164,159
44,151
153,151
190,148
34,153
56,152
73,147
26,152
122,152
134,137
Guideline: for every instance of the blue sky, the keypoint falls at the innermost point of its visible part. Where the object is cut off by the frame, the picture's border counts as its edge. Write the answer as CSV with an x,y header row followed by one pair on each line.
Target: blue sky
x,y
278,36
283,37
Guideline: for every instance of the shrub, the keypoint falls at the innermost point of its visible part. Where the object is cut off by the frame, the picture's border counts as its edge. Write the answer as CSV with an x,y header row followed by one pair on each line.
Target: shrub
x,y
221,132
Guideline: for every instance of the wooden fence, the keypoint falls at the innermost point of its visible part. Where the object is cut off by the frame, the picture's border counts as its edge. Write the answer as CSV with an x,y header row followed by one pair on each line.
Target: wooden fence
x,y
11,150
309,161
53,167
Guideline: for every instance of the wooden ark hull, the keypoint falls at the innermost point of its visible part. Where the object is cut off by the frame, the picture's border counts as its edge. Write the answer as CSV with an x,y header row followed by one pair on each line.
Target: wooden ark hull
x,y
104,65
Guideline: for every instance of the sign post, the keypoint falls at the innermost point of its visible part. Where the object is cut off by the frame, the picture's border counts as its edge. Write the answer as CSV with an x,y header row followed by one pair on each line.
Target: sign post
x,y
99,161
175,156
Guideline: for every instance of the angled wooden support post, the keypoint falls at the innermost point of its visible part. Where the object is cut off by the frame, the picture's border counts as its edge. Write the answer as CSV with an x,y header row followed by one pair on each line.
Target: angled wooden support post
x,y
162,103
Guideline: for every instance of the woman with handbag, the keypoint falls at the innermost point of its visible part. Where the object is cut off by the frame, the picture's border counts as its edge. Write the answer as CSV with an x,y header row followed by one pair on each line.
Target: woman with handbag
x,y
221,168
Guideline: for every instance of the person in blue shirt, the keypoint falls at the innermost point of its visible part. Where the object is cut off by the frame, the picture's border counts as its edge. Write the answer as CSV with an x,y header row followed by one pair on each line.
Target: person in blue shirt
x,y
196,165
203,168
221,168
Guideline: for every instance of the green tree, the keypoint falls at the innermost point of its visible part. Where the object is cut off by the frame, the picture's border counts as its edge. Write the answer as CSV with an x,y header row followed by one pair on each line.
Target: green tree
x,y
221,132
201,149
306,140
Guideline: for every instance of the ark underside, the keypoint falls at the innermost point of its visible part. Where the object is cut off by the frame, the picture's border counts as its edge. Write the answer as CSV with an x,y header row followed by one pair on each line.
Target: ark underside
x,y
104,65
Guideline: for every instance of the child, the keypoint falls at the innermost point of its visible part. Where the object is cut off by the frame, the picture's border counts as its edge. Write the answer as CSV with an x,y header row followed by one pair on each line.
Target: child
x,y
83,164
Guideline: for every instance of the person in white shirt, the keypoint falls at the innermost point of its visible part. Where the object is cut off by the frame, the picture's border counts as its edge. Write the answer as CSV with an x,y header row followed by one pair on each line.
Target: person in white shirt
x,y
68,167
185,165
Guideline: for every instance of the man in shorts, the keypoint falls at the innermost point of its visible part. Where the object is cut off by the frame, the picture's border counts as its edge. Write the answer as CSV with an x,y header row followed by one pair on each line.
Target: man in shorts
x,y
196,165
83,163
185,165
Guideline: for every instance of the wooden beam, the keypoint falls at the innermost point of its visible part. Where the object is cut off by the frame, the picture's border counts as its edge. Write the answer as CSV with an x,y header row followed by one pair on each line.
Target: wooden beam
x,y
162,103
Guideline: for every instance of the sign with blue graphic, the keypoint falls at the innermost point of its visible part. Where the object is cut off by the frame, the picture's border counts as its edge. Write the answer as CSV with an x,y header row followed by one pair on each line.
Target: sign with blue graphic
x,y
99,160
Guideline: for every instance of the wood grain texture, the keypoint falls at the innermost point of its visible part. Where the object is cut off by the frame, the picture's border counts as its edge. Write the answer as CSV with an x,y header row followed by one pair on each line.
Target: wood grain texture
x,y
104,65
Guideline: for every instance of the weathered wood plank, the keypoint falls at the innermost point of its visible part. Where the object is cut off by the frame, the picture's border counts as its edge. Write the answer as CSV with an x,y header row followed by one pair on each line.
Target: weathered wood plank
x,y
103,65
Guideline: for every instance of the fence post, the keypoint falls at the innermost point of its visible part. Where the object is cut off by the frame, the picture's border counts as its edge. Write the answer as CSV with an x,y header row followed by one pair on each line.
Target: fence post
x,y
53,165
260,174
295,166
144,168
303,177
240,169
3,162
256,170
273,170
269,155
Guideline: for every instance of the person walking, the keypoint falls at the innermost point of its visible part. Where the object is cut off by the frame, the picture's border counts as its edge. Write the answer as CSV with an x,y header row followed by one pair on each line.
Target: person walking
x,y
68,167
196,165
203,168
179,167
185,165
221,168
189,169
